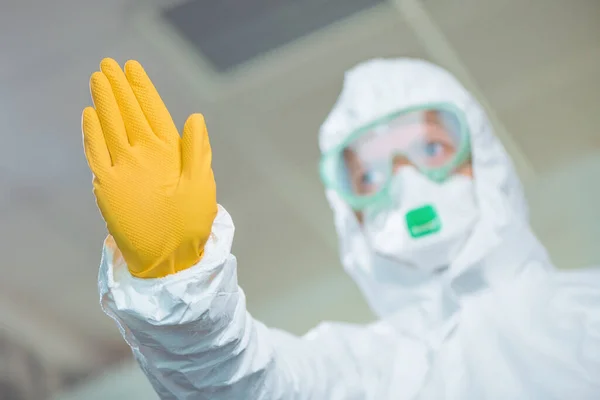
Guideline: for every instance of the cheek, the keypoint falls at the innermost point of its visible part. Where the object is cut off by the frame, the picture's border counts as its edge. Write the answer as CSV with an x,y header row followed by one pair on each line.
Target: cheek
x,y
466,170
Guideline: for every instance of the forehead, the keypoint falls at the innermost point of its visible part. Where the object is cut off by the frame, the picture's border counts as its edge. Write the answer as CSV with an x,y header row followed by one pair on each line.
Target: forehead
x,y
381,87
404,125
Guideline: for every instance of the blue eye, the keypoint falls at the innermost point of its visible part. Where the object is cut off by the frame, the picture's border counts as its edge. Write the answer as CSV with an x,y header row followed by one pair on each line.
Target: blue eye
x,y
367,178
372,178
434,149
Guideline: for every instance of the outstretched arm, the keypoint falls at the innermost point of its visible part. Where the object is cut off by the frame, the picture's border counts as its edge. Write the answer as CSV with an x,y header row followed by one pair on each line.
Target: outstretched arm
x,y
194,339
167,276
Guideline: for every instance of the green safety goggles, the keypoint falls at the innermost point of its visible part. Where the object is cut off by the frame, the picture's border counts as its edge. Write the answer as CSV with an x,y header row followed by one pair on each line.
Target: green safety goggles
x,y
434,138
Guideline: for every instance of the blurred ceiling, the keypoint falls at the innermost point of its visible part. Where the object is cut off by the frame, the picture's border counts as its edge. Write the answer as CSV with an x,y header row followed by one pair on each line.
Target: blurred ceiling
x,y
231,32
533,63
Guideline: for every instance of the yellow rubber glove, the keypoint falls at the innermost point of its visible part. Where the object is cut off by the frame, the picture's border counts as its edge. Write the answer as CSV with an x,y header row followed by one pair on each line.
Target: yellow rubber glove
x,y
155,189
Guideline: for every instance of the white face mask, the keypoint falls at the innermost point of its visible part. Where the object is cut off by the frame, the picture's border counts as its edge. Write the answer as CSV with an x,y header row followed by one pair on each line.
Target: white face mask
x,y
428,225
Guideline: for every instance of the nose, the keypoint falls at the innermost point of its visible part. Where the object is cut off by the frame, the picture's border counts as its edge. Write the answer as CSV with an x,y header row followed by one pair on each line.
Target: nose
x,y
398,162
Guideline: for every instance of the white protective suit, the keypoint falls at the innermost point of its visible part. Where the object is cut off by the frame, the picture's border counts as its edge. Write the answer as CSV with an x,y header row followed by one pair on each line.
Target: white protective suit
x,y
499,323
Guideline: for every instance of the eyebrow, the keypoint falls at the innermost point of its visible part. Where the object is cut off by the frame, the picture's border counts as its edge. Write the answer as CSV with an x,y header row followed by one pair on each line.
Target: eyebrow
x,y
351,159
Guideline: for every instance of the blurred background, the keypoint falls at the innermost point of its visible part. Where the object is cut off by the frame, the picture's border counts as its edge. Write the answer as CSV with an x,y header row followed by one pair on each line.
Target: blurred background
x,y
265,73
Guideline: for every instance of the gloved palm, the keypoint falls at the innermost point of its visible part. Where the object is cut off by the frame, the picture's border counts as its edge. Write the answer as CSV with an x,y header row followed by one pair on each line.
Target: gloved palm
x,y
155,189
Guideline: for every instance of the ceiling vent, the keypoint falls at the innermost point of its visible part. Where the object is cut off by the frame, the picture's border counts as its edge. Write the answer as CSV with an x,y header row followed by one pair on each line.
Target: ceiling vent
x,y
231,32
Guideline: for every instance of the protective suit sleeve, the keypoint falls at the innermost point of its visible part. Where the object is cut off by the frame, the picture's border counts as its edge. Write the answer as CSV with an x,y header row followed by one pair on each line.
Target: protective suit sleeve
x,y
194,339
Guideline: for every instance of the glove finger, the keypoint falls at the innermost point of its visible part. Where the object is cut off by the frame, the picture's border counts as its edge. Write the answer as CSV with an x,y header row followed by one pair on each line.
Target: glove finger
x,y
94,145
138,129
152,106
109,115
195,147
